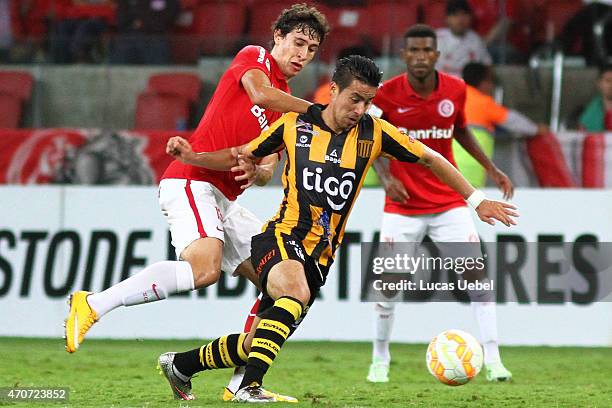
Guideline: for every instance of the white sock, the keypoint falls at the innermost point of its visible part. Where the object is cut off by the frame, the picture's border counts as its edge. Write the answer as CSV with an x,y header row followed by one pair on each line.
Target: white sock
x,y
153,283
384,313
236,379
486,316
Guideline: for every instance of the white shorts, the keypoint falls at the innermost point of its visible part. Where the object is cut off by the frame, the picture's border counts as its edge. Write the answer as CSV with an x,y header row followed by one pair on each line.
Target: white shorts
x,y
454,225
197,209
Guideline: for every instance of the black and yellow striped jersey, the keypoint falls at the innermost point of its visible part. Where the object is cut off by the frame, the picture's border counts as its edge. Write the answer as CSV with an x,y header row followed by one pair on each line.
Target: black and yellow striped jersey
x,y
324,172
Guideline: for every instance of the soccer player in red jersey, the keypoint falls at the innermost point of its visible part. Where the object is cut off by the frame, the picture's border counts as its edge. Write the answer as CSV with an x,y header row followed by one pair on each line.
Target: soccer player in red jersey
x,y
210,231
429,106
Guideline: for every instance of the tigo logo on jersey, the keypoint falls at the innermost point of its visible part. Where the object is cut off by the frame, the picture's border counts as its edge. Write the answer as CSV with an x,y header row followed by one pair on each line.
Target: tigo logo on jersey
x,y
331,186
446,108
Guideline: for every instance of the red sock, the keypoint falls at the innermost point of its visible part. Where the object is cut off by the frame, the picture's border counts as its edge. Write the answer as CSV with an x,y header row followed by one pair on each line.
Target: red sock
x,y
251,317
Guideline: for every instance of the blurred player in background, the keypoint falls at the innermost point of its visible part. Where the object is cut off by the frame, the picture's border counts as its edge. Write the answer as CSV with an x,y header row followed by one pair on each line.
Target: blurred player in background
x,y
329,150
483,115
210,231
429,105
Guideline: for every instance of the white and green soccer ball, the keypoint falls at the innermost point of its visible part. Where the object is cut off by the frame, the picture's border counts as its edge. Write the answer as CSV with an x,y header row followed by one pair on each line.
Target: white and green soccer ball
x,y
454,357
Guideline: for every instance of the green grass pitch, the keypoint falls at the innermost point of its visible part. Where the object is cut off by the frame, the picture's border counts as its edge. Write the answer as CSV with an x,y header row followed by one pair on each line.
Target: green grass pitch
x,y
105,373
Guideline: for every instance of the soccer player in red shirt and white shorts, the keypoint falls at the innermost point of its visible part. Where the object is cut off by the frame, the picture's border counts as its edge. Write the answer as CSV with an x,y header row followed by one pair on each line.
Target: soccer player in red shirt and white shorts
x,y
210,231
429,105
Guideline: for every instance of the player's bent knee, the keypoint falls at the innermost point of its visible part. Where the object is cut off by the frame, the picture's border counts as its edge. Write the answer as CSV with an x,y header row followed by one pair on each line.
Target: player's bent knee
x,y
204,256
203,277
301,293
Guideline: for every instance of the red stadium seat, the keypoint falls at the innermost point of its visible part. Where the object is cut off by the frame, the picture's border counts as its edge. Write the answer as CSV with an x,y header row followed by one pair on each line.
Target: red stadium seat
x,y
182,84
219,25
10,111
17,83
434,13
389,20
557,12
161,112
349,28
207,27
262,15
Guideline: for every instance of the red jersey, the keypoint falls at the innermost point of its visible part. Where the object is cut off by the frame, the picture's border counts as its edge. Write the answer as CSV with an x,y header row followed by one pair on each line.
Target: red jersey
x,y
231,119
431,121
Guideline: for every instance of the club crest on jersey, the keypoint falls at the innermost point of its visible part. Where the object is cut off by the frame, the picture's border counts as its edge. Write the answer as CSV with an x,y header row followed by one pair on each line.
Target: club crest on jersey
x,y
364,148
446,108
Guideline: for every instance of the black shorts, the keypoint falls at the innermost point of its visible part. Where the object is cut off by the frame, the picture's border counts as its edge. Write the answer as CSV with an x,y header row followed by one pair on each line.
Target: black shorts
x,y
267,250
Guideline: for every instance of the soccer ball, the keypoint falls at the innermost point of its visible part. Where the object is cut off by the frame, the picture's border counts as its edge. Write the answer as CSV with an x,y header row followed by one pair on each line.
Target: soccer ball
x,y
454,357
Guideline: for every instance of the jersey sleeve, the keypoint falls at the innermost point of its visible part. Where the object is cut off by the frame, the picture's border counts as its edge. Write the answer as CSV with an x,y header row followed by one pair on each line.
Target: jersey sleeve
x,y
270,140
250,57
398,145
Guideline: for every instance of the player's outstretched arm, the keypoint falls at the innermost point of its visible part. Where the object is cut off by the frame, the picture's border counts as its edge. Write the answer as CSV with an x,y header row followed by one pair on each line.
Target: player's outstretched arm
x,y
488,210
223,160
261,92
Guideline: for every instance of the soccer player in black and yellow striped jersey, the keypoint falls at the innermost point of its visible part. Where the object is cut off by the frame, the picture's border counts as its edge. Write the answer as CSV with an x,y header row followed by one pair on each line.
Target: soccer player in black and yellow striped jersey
x,y
329,150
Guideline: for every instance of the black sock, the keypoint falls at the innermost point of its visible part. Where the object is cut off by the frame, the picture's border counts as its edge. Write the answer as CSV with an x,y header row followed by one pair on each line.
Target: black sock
x,y
270,335
224,352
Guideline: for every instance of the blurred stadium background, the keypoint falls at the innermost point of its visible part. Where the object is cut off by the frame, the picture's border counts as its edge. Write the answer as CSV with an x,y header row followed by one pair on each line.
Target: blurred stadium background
x,y
66,228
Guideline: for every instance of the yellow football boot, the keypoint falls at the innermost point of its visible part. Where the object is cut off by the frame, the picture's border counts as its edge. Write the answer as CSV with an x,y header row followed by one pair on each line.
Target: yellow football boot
x,y
80,319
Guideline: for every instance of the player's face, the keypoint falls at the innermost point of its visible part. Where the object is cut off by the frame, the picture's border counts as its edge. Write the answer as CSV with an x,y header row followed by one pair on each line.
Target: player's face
x,y
420,56
605,85
294,51
459,23
350,104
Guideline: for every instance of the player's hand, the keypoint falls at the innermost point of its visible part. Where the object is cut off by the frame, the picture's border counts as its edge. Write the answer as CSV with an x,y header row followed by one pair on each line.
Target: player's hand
x,y
543,129
179,148
395,190
247,168
503,182
489,210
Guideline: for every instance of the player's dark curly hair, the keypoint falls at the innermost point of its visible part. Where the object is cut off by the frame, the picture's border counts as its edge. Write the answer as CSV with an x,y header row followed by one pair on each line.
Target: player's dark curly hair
x,y
420,31
356,67
474,73
304,18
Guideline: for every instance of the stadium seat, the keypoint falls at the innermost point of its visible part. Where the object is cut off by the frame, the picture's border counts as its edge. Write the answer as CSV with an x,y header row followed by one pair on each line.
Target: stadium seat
x,y
262,15
396,16
16,88
207,27
10,111
161,112
434,13
182,84
17,83
219,25
349,28
557,13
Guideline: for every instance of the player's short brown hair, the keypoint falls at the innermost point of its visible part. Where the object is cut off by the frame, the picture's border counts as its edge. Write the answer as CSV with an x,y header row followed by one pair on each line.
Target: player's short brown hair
x,y
304,18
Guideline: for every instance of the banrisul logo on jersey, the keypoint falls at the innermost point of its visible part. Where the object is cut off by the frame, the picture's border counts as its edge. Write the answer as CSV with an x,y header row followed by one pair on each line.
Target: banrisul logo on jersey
x,y
433,133
337,191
